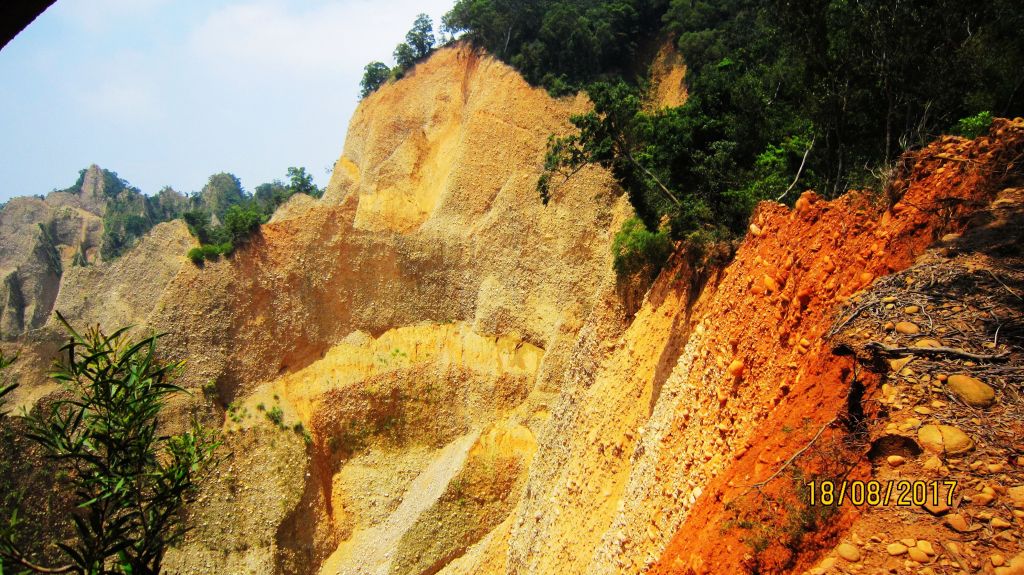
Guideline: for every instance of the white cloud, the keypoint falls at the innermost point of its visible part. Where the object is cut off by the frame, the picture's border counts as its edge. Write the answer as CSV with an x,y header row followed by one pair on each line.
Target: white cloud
x,y
124,94
284,37
97,16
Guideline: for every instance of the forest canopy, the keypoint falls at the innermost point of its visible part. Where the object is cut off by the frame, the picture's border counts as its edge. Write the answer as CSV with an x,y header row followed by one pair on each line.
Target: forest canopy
x,y
784,95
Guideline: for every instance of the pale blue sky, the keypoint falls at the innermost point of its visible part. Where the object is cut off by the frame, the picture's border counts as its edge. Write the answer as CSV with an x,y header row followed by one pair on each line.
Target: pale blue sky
x,y
167,92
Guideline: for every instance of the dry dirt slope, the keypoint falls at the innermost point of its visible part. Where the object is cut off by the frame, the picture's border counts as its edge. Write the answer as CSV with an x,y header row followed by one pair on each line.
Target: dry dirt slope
x,y
456,385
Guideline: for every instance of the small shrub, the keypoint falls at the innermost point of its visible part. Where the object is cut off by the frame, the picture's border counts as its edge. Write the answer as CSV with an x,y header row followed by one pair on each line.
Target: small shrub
x,y
211,252
275,415
974,126
196,255
635,248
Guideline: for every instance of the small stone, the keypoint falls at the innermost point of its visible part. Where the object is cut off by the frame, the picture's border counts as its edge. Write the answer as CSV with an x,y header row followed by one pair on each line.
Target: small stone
x,y
997,560
736,368
896,549
922,410
917,555
755,229
944,439
941,377
889,326
1016,494
926,546
911,309
909,542
899,363
907,328
910,424
848,552
927,343
933,463
972,391
982,499
939,509
956,522
1000,523
895,460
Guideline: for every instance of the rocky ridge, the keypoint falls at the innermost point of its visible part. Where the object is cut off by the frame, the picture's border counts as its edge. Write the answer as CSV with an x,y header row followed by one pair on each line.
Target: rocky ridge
x,y
432,359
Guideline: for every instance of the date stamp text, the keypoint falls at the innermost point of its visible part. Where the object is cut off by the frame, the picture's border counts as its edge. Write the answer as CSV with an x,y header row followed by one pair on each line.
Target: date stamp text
x,y
902,493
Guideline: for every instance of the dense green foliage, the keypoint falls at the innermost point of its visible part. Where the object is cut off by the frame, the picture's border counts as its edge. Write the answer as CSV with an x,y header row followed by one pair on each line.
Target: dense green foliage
x,y
421,36
375,75
300,182
242,213
222,214
222,191
974,126
560,44
419,43
637,249
130,480
784,96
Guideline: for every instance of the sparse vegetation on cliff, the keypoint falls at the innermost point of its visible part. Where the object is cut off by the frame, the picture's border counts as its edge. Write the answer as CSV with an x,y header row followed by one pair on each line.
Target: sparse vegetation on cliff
x,y
635,249
419,43
239,212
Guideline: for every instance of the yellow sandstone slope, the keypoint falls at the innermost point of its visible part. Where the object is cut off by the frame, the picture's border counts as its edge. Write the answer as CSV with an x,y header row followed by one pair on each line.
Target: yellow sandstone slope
x,y
428,371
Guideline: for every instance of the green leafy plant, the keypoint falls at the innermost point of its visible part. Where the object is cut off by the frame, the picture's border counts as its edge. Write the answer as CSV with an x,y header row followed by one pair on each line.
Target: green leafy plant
x,y
375,75
974,126
130,480
636,249
275,415
196,255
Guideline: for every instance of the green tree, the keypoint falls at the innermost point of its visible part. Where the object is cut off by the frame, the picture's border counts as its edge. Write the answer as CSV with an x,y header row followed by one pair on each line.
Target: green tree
x,y
375,75
131,481
222,191
405,57
271,195
241,221
199,222
301,182
421,37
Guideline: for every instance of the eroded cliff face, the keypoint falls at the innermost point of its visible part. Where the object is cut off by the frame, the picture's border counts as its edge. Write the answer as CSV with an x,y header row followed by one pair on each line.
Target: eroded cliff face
x,y
39,239
429,371
416,324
